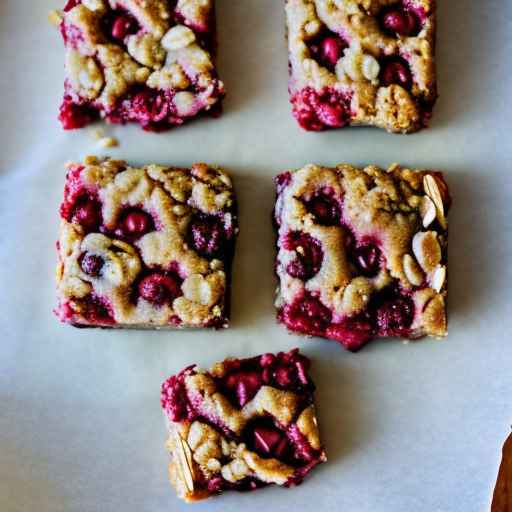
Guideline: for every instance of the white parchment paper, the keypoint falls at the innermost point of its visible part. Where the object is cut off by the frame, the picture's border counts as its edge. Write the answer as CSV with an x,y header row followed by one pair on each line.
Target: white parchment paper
x,y
414,427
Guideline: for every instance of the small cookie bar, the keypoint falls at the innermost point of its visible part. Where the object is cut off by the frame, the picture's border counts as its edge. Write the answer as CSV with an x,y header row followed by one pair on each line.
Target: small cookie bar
x,y
242,425
362,252
362,62
502,498
145,247
150,62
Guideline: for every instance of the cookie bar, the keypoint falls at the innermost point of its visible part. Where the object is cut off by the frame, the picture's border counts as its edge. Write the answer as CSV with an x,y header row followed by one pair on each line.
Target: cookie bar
x,y
502,497
242,425
145,247
362,253
362,62
149,62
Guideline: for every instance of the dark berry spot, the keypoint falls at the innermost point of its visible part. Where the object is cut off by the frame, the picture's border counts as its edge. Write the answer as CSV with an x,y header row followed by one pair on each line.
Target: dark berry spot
x,y
124,25
96,311
325,209
368,259
401,22
207,236
396,71
119,24
136,223
92,264
395,316
160,288
327,49
308,255
244,385
269,441
87,213
307,315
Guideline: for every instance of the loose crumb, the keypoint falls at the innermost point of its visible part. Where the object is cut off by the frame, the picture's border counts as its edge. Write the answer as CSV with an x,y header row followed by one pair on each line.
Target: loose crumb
x,y
108,142
98,134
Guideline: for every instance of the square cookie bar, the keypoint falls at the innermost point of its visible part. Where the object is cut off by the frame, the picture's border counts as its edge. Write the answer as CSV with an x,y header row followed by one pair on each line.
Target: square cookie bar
x,y
242,425
145,247
362,62
149,62
362,253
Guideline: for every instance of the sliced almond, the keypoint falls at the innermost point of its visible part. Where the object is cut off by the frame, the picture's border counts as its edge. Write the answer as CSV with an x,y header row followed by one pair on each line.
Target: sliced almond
x,y
438,278
427,250
428,211
432,190
185,461
412,270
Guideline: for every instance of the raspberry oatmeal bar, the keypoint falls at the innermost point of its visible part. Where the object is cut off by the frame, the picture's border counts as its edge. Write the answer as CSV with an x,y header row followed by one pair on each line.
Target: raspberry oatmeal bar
x,y
145,247
362,62
146,61
362,252
242,425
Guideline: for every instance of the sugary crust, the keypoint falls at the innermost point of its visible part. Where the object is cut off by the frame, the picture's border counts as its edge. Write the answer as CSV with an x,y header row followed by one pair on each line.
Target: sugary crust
x,y
502,498
171,52
397,211
371,103
211,447
173,196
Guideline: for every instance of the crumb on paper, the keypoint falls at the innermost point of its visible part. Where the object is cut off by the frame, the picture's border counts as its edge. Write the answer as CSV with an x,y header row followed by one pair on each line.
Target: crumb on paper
x,y
108,142
98,134
55,17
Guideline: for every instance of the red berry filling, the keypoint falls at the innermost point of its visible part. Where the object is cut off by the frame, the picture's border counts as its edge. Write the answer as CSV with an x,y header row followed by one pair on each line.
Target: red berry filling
x,y
74,116
308,255
325,208
71,4
327,49
119,24
244,385
390,313
307,315
267,440
87,213
95,311
136,222
400,21
174,399
396,71
353,333
317,111
207,236
368,259
91,264
395,316
160,289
